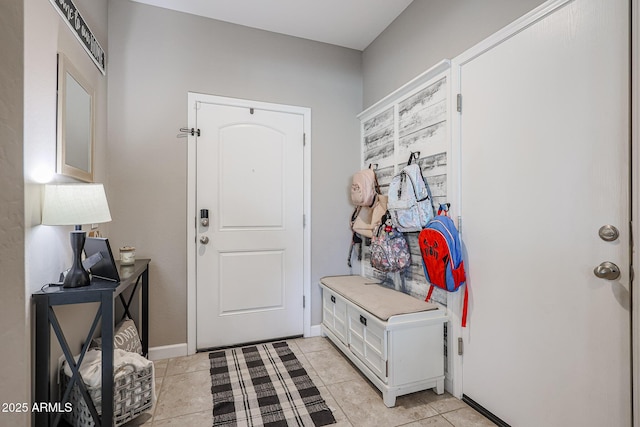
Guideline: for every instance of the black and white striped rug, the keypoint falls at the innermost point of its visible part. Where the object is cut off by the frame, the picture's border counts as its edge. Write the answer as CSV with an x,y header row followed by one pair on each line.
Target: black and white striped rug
x,y
264,385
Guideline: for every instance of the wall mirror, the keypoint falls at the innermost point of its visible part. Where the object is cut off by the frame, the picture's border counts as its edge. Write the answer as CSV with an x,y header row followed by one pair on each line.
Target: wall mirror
x,y
75,124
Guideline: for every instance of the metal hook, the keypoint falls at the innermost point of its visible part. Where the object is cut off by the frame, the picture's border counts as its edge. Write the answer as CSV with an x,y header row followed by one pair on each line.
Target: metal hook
x,y
415,155
191,131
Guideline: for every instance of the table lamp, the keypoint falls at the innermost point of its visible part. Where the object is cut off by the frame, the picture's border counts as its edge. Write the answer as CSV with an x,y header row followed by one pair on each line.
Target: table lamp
x,y
75,204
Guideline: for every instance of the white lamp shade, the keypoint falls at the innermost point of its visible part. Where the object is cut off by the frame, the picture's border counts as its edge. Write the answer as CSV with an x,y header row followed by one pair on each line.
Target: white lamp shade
x,y
74,204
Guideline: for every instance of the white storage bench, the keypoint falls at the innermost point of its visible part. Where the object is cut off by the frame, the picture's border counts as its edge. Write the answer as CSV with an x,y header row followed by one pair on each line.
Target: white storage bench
x,y
396,340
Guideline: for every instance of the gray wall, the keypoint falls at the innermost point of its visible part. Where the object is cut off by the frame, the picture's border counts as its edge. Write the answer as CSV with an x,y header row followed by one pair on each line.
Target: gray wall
x,y
427,32
156,57
14,353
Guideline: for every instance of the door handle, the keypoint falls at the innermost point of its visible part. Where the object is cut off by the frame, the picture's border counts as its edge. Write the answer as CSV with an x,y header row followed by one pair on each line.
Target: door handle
x,y
204,240
607,270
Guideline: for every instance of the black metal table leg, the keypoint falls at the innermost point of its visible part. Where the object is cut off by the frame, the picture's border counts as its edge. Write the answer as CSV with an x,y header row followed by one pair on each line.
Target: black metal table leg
x,y
107,360
145,313
43,359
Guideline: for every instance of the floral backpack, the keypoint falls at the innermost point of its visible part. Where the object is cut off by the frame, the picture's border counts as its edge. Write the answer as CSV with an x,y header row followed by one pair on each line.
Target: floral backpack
x,y
389,248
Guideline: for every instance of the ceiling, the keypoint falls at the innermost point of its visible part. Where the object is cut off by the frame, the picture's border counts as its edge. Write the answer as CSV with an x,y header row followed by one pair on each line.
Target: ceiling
x,y
348,23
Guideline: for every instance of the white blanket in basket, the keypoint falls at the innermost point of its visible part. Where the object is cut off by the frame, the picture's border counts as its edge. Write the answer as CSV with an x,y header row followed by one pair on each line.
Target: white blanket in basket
x,y
124,362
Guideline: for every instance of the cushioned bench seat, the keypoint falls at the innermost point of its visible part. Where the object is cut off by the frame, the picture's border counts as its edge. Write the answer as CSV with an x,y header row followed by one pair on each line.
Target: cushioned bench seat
x,y
378,300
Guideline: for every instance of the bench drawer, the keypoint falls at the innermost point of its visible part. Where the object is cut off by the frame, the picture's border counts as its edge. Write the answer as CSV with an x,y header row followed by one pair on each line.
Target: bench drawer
x,y
334,315
368,341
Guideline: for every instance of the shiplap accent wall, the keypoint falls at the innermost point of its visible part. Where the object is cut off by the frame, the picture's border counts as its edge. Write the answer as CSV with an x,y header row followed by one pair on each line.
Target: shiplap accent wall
x,y
415,117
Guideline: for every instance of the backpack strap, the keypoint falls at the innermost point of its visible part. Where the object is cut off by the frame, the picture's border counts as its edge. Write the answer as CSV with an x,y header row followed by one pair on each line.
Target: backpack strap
x,y
429,294
356,240
465,306
465,303
354,215
374,166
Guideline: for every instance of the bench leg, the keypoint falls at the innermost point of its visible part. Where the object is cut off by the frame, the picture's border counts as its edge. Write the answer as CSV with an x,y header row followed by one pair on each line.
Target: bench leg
x,y
389,399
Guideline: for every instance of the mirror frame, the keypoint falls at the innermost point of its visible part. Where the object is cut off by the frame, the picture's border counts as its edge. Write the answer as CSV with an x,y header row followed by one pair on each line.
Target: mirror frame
x,y
66,68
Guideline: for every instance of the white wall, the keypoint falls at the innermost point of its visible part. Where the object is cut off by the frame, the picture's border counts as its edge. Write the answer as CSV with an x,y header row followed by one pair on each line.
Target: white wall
x,y
156,57
428,32
47,249
15,370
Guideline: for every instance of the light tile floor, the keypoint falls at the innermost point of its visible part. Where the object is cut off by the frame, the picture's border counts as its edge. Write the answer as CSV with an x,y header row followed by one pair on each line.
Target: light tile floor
x,y
184,396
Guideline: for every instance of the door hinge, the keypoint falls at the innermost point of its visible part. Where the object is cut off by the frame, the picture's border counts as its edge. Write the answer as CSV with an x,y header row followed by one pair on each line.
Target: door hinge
x,y
386,369
304,301
304,139
459,224
459,346
304,220
459,103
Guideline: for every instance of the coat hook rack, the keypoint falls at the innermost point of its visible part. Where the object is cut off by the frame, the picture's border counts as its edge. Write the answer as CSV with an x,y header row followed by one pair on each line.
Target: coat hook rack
x,y
185,131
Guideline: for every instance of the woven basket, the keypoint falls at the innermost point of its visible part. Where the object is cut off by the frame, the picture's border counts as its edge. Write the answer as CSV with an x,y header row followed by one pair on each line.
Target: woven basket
x,y
132,395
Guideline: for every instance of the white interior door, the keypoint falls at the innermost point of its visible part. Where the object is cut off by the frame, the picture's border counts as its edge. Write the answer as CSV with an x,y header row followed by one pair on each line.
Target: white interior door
x,y
544,164
249,273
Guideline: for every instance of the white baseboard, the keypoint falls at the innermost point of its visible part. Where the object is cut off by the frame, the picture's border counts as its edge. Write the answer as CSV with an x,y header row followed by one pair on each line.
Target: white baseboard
x,y
448,387
178,350
315,331
167,351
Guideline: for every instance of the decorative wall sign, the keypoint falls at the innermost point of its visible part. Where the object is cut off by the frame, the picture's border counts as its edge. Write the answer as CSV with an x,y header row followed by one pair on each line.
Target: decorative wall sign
x,y
79,27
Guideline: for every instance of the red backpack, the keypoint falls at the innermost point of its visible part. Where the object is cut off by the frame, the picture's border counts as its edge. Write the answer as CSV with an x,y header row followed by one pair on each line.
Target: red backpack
x,y
442,261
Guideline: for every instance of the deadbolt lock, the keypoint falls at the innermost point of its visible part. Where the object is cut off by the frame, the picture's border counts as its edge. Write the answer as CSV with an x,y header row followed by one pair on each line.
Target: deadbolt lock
x,y
204,217
608,233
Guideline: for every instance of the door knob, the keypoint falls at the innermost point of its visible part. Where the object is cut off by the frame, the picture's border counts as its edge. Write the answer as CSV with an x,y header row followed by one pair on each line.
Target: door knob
x,y
204,240
607,270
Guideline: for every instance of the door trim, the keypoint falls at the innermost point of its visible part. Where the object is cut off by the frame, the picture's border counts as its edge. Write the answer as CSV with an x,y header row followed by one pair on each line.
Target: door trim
x,y
635,208
305,112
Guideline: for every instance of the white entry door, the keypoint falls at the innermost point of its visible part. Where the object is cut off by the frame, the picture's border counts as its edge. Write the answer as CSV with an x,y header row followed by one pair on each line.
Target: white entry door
x,y
544,133
249,269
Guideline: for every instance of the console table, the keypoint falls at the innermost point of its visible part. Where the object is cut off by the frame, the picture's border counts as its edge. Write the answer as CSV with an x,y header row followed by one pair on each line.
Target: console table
x,y
104,292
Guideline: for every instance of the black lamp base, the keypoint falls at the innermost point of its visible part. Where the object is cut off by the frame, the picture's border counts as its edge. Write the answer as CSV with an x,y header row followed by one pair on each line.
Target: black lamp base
x,y
77,275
